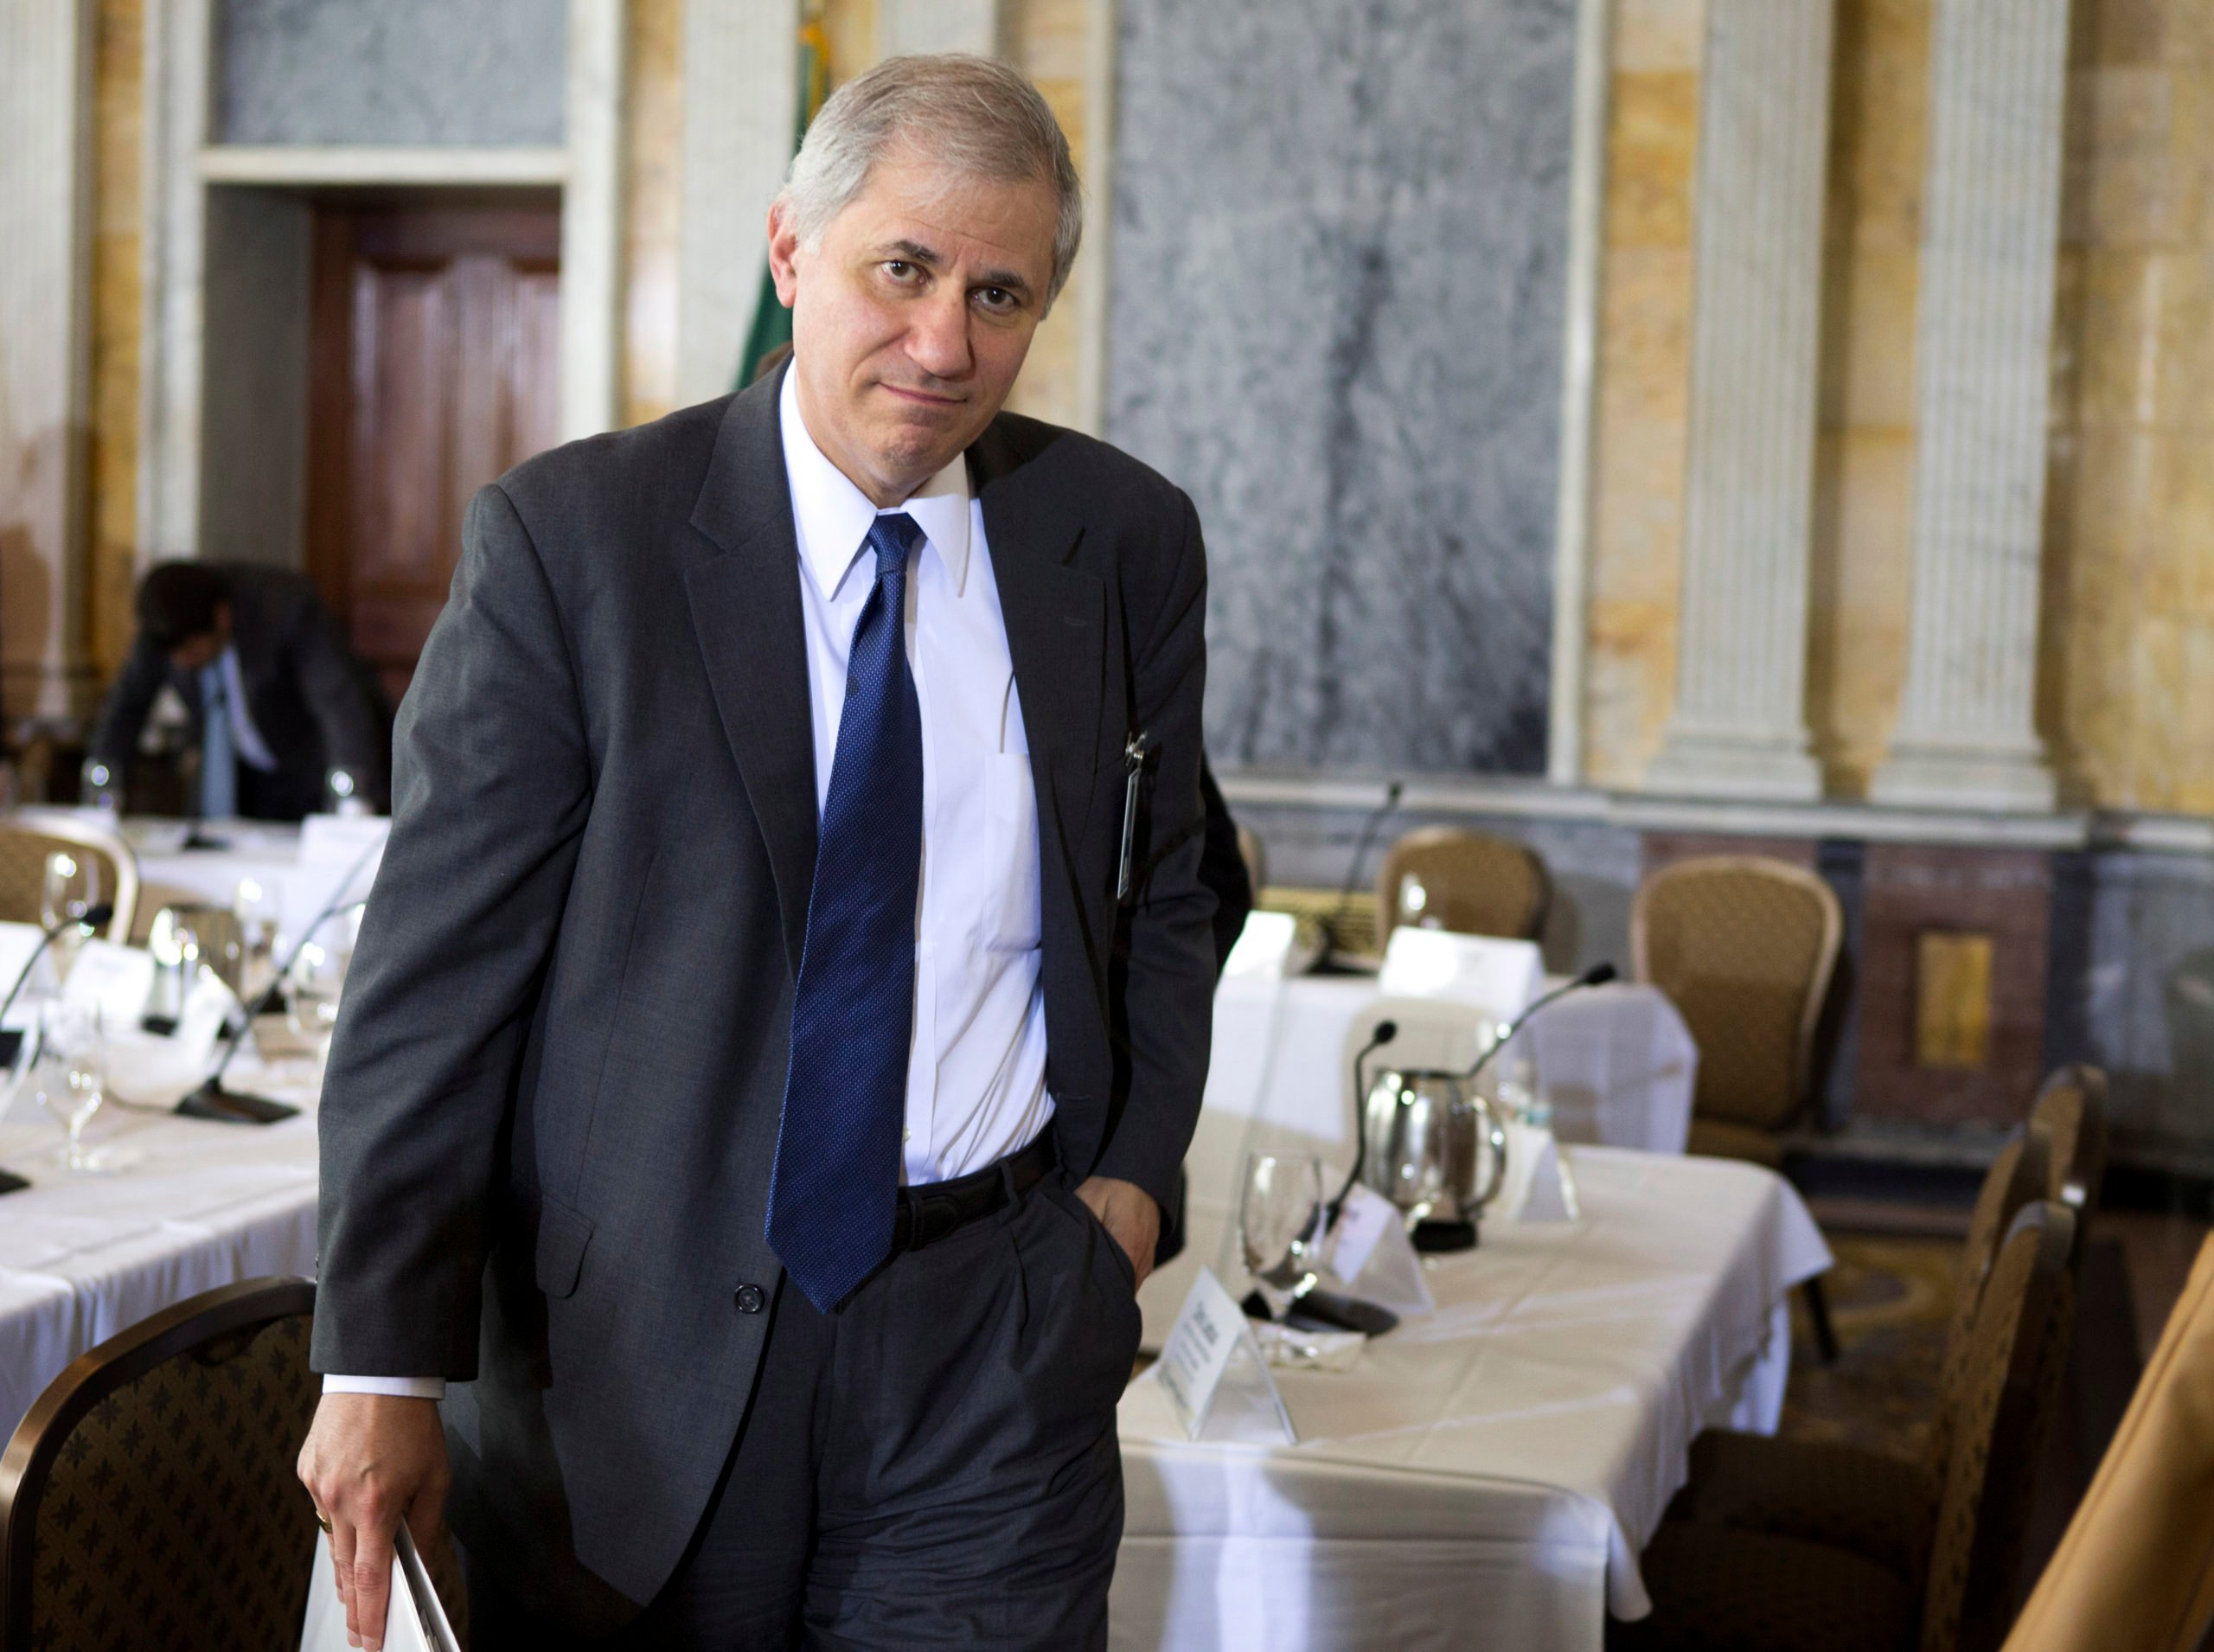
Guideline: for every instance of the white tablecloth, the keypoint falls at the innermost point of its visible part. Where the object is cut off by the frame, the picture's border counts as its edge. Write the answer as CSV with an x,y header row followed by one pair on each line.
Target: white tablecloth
x,y
1486,1478
1279,1082
201,1205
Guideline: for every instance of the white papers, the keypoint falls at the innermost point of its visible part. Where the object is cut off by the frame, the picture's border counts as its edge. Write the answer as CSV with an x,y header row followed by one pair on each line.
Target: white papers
x,y
1263,948
1371,1258
416,1621
112,978
1215,1375
1498,977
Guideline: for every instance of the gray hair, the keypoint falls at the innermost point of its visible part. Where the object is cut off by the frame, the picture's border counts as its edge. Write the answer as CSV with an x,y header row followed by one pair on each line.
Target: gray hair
x,y
972,114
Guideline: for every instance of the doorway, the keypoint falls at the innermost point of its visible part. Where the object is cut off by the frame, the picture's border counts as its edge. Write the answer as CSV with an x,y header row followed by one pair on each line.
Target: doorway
x,y
434,341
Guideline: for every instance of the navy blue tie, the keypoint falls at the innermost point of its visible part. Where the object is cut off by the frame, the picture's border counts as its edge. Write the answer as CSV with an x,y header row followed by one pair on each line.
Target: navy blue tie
x,y
837,1172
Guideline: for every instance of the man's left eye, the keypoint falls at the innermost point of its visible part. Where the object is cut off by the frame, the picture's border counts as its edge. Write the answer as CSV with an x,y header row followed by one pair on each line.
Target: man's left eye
x,y
996,298
899,269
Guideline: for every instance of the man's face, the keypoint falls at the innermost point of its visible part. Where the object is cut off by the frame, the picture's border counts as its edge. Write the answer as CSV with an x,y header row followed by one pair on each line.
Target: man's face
x,y
197,653
911,314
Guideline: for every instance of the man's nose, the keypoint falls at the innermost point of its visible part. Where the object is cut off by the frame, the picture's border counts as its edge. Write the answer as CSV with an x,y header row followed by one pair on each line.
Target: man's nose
x,y
938,344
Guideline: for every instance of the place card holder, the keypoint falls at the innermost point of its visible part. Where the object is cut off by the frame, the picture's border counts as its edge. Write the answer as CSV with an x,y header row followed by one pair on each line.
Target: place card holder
x,y
1370,1255
1215,1375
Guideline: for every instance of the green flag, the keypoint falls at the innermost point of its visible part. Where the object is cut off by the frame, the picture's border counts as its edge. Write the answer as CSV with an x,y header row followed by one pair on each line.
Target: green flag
x,y
772,322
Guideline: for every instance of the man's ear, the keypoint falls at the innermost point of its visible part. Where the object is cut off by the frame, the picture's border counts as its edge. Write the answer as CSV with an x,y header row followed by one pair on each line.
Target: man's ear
x,y
784,249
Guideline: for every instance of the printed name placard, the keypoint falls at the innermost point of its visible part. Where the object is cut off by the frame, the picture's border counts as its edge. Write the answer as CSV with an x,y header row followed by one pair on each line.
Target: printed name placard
x,y
1371,1257
1215,1375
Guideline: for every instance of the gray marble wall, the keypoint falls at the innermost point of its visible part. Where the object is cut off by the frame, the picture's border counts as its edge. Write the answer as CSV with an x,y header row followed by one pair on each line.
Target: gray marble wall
x,y
1340,248
390,71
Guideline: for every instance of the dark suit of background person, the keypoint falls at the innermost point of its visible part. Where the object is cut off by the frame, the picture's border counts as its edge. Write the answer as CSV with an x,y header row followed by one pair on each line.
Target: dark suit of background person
x,y
552,1104
315,705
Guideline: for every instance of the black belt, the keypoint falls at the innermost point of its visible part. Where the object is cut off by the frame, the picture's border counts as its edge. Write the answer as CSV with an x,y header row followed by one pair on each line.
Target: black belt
x,y
927,1215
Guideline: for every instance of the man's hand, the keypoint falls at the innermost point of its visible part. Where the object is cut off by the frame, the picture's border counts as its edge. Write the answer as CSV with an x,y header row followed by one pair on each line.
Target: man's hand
x,y
370,1459
1129,1213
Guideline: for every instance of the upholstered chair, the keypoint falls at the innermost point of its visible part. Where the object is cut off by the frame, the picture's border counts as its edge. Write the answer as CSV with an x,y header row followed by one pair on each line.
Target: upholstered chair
x,y
2072,1104
2136,1567
28,836
1721,1589
1470,882
1744,947
150,1499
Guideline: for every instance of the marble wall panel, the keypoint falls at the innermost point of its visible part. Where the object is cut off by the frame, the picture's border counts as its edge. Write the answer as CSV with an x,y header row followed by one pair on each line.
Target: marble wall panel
x,y
1343,334
398,72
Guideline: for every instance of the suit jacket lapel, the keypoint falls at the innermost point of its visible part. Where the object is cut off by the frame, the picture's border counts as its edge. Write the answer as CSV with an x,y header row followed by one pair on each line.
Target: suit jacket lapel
x,y
746,619
1056,637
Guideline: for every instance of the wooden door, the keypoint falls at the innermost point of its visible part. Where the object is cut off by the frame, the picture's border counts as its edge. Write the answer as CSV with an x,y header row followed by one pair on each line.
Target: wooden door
x,y
436,365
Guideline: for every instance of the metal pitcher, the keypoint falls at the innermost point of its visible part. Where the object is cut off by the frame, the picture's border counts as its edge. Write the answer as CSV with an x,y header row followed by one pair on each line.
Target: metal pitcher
x,y
1433,1146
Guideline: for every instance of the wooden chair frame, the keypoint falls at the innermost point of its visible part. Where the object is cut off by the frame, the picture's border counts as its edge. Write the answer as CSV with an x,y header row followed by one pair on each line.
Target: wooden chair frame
x,y
75,829
1831,941
91,1377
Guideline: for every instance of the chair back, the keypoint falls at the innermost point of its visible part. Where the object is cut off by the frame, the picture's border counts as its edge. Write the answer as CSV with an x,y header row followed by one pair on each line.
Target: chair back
x,y
1470,882
28,836
153,1484
2018,1178
2017,1350
2072,1104
2136,1566
1744,946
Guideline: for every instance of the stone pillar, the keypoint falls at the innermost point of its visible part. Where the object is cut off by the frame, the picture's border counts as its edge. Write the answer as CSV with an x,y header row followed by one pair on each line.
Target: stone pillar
x,y
46,298
1739,727
904,26
1967,733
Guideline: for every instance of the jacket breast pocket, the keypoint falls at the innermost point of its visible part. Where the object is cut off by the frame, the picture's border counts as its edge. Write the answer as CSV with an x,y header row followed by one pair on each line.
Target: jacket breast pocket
x,y
1011,816
563,1238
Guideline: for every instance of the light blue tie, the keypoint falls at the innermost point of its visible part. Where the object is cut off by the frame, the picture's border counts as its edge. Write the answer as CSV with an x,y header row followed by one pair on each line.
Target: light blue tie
x,y
219,768
837,1172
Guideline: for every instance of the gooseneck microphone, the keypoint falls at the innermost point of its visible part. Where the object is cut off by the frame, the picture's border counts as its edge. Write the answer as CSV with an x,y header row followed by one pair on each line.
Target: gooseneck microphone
x,y
94,918
212,1099
1369,829
1383,1033
1597,975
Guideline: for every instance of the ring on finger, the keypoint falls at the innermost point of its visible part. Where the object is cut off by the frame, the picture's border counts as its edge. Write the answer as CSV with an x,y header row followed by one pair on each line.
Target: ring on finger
x,y
323,1519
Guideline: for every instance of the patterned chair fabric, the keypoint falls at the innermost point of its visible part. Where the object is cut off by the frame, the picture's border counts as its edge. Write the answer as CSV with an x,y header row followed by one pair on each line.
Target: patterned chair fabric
x,y
28,837
1470,882
150,1498
1880,1506
2072,1106
1744,947
1718,1589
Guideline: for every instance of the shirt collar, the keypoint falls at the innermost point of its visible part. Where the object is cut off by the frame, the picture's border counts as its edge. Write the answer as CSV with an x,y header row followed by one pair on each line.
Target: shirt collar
x,y
832,516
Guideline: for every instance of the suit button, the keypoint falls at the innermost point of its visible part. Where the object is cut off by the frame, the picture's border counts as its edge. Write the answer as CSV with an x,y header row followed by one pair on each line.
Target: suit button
x,y
748,1298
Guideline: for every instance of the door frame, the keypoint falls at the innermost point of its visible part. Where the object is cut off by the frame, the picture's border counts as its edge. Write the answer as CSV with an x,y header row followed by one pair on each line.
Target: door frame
x,y
182,166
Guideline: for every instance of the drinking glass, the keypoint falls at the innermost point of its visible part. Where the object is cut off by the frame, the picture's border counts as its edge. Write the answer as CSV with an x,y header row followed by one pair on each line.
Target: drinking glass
x,y
1280,1222
316,979
254,904
68,1076
73,886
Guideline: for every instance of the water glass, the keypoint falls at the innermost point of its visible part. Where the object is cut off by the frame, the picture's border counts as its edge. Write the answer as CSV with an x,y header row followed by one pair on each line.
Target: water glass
x,y
316,979
73,887
1280,1222
255,906
68,1076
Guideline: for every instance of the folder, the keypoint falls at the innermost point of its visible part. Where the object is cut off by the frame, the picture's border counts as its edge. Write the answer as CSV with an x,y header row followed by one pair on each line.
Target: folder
x,y
414,1621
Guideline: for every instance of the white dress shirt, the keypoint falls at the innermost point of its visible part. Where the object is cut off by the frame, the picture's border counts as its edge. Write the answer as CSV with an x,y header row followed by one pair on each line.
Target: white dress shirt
x,y
976,1052
245,738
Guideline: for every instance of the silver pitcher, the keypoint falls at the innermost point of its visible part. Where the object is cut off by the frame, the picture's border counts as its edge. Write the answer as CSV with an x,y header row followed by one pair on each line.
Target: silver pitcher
x,y
1432,1146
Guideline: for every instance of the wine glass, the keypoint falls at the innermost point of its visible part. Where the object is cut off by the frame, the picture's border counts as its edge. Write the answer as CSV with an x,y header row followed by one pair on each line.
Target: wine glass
x,y
72,887
1280,1222
254,904
316,979
68,1076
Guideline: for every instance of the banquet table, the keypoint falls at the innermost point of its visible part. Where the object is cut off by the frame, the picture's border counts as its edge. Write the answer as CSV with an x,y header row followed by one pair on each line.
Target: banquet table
x,y
191,1204
1488,1474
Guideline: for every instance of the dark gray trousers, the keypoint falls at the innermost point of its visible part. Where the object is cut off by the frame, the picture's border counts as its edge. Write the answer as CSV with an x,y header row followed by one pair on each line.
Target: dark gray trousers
x,y
933,1464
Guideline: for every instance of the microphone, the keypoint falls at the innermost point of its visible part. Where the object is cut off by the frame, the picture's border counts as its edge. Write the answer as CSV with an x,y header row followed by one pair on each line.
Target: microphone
x,y
1597,975
1336,924
1382,1033
95,917
212,1100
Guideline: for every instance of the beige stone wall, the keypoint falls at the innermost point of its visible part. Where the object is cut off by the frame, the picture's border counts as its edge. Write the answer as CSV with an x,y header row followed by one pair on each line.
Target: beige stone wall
x,y
118,69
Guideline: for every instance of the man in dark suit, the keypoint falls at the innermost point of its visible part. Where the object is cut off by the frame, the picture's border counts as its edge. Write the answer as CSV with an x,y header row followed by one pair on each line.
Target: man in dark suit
x,y
768,1060
279,704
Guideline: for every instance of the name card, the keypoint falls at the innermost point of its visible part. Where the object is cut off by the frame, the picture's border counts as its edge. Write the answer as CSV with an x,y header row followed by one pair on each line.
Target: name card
x,y
1498,977
1215,1375
112,978
1371,1257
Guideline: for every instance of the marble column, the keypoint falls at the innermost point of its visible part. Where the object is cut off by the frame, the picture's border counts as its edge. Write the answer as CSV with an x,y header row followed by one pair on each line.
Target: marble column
x,y
1739,727
1967,733
904,26
46,296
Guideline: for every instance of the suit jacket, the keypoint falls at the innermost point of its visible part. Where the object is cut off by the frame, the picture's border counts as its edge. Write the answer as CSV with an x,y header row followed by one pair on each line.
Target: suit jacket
x,y
552,1104
313,703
